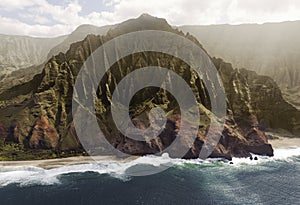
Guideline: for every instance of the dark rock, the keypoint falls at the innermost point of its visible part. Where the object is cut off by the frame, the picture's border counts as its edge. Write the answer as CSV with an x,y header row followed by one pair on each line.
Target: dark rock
x,y
263,149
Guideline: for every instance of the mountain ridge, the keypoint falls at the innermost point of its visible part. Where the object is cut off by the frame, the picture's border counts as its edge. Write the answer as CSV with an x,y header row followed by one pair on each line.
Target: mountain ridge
x,y
40,119
270,49
24,51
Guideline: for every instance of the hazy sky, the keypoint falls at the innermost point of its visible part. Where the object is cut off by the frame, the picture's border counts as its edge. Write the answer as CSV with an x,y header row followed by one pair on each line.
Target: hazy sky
x,y
58,17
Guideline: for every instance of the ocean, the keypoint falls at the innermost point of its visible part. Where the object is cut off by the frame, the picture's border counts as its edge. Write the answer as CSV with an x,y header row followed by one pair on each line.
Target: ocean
x,y
274,180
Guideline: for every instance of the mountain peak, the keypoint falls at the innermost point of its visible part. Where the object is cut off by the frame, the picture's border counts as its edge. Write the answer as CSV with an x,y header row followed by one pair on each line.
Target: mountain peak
x,y
143,22
146,15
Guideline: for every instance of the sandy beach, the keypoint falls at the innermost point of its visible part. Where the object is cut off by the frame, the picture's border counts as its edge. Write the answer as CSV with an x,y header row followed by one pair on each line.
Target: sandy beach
x,y
284,142
53,163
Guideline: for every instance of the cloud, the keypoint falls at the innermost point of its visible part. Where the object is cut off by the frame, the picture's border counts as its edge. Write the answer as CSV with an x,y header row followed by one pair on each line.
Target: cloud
x,y
19,4
181,12
49,19
39,19
15,27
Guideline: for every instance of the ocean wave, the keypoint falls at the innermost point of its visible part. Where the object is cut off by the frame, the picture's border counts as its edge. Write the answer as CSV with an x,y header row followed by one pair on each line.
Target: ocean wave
x,y
29,175
286,154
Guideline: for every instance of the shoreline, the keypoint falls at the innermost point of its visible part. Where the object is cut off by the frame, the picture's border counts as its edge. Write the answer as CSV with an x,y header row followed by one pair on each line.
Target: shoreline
x,y
284,142
280,143
59,162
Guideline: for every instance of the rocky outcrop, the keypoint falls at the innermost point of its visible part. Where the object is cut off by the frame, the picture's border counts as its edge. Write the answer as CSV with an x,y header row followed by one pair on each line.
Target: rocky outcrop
x,y
39,113
233,144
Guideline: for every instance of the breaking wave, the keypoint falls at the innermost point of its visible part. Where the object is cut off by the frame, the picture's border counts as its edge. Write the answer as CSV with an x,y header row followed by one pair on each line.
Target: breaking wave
x,y
29,175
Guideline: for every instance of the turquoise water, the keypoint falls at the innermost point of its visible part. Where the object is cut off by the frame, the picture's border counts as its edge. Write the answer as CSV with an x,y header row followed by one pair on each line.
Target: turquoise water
x,y
266,181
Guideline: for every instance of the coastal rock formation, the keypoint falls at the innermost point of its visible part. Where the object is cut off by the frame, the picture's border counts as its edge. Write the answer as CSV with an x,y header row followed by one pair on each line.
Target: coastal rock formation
x,y
38,113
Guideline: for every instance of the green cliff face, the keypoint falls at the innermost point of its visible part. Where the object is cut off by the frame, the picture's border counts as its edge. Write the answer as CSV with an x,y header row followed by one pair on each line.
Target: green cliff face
x,y
36,117
259,98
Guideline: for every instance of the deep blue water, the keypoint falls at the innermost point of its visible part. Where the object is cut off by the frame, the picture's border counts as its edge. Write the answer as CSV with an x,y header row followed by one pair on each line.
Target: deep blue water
x,y
266,182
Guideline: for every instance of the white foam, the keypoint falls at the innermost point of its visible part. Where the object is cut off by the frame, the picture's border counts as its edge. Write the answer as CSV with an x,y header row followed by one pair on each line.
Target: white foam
x,y
286,153
28,175
279,154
